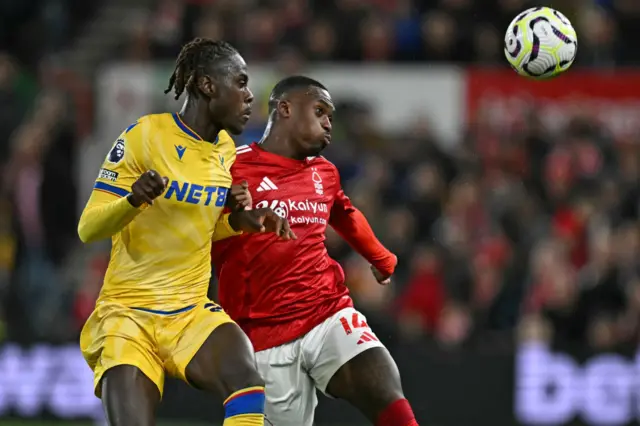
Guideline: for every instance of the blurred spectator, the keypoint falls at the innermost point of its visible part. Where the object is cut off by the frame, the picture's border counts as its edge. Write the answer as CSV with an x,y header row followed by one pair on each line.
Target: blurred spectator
x,y
421,303
12,105
320,41
377,43
42,162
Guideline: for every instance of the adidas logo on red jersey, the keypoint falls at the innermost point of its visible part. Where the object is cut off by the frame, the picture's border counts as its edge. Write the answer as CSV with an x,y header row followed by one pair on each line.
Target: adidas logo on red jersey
x,y
266,185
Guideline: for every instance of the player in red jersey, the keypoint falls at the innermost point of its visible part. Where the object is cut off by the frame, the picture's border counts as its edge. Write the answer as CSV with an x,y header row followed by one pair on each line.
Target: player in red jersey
x,y
289,297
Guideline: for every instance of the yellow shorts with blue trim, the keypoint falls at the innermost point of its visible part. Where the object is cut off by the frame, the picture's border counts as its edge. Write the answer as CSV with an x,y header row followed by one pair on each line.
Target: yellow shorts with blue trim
x,y
154,341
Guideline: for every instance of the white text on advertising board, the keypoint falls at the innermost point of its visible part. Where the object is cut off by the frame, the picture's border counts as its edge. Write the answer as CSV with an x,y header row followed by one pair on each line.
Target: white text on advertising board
x,y
552,388
49,379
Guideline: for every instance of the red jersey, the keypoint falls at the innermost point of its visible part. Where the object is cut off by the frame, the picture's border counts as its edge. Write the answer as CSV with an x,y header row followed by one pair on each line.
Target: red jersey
x,y
279,290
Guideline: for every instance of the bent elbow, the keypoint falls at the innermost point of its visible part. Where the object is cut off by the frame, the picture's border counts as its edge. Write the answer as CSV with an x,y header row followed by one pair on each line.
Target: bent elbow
x,y
86,234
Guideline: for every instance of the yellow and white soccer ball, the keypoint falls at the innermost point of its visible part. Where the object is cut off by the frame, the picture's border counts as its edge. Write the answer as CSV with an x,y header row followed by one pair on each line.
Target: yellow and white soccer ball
x,y
540,43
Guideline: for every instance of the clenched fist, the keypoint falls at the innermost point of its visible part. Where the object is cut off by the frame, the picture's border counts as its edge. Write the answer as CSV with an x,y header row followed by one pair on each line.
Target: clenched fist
x,y
382,278
147,188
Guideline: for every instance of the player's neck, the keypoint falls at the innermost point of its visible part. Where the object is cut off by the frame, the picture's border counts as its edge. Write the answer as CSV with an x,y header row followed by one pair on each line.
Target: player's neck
x,y
279,144
195,115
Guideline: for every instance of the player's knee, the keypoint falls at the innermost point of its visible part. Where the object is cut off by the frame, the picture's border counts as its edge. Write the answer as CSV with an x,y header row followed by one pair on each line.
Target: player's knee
x,y
244,402
243,374
385,387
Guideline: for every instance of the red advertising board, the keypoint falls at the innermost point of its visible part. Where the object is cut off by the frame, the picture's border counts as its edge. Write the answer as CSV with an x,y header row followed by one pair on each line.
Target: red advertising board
x,y
501,97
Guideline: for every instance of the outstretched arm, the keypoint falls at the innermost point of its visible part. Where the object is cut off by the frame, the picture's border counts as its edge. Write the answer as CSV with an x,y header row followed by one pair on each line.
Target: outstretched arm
x,y
350,224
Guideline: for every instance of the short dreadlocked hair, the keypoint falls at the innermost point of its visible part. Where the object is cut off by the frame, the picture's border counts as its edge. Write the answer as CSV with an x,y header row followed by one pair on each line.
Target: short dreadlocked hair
x,y
192,60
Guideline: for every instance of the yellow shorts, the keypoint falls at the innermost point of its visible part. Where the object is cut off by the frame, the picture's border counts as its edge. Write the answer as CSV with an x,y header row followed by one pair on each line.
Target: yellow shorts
x,y
153,341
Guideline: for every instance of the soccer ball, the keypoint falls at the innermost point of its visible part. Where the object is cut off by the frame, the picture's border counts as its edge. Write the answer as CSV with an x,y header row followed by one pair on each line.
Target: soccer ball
x,y
540,43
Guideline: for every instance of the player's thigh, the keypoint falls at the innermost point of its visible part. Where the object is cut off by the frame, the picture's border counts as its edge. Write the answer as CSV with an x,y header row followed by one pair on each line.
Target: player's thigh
x,y
353,365
289,391
370,381
129,397
212,353
115,336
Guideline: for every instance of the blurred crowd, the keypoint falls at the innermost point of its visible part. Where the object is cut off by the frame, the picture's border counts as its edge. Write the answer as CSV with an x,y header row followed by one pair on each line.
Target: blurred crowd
x,y
513,228
462,31
38,144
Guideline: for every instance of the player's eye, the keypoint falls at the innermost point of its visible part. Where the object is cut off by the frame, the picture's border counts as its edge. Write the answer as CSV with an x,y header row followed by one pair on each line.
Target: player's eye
x,y
319,112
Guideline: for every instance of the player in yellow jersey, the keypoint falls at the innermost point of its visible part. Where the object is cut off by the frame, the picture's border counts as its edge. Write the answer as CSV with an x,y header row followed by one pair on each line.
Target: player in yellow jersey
x,y
160,196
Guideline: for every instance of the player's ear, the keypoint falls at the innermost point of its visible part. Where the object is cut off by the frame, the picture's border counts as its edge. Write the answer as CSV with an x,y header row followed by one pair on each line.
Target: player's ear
x,y
284,108
207,86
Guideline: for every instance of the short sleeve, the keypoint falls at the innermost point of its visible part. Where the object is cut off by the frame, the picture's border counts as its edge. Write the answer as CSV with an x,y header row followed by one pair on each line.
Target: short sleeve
x,y
121,167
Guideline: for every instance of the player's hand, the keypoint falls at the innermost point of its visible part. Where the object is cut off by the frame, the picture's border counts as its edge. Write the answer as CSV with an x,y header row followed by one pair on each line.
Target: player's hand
x,y
240,198
261,220
147,188
383,279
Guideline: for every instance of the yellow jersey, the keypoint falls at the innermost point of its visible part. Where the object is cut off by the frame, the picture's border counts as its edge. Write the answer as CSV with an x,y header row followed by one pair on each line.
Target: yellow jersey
x,y
160,256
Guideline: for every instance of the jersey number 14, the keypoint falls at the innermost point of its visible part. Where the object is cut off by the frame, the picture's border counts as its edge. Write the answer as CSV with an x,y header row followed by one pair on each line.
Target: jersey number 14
x,y
355,324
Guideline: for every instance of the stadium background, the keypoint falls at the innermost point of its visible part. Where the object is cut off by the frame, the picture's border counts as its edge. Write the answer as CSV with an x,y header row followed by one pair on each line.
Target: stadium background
x,y
513,206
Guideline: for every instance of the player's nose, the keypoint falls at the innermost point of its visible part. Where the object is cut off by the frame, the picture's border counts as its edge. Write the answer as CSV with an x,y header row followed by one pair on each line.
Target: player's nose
x,y
249,98
326,124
